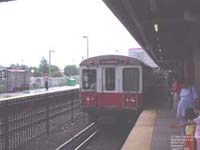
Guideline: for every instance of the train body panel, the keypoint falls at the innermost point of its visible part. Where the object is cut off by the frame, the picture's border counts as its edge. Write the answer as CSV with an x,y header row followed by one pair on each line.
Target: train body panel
x,y
110,101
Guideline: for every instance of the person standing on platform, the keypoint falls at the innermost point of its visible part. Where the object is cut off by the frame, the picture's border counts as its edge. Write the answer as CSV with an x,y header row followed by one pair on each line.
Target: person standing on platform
x,y
176,92
195,122
46,81
190,143
188,96
184,103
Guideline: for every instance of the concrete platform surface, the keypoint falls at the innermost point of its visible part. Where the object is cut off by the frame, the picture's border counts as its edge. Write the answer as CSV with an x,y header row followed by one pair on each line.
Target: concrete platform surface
x,y
152,131
162,133
34,91
141,134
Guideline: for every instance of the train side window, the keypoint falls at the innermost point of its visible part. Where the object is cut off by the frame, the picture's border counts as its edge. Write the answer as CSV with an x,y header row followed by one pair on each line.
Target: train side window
x,y
2,75
110,79
89,79
130,79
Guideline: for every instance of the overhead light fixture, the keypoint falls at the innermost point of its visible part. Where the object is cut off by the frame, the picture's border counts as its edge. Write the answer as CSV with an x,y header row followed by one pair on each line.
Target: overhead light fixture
x,y
170,71
160,50
156,27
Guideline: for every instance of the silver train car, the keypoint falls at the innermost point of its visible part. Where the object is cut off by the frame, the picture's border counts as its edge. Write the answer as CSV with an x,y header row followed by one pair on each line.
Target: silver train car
x,y
14,79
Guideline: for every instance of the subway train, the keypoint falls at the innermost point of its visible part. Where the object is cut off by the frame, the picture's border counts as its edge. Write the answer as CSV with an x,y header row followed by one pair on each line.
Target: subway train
x,y
113,86
14,79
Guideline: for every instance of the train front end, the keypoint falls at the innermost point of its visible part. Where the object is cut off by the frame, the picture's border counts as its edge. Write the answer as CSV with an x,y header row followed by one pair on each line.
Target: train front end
x,y
111,86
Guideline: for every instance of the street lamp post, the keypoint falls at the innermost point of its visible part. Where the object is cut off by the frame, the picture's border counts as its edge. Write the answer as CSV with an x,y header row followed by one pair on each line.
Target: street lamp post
x,y
32,79
117,51
50,51
86,37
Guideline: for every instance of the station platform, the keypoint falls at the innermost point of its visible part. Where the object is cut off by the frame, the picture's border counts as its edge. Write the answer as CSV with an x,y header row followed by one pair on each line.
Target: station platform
x,y
152,131
34,91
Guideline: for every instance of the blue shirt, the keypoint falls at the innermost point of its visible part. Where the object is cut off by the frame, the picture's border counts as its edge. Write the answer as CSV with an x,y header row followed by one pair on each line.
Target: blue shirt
x,y
187,100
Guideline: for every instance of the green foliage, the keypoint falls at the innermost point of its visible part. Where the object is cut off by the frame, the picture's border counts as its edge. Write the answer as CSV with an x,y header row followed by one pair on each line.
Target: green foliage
x,y
44,66
55,72
71,70
14,66
17,66
54,68
35,72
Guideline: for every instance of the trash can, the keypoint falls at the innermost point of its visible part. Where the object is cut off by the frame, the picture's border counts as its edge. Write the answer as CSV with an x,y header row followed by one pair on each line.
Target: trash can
x,y
71,81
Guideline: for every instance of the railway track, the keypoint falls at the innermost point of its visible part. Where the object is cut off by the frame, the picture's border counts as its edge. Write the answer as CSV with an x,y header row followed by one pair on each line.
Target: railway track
x,y
111,137
80,139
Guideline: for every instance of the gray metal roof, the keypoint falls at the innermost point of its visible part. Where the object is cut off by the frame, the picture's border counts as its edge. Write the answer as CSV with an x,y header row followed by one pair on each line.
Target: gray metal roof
x,y
177,21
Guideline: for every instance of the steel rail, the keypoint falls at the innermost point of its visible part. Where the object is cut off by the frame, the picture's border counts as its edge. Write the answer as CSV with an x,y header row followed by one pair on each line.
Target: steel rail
x,y
81,138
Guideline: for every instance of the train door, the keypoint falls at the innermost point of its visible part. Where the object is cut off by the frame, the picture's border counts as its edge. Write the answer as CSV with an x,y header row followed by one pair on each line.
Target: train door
x,y
110,97
132,87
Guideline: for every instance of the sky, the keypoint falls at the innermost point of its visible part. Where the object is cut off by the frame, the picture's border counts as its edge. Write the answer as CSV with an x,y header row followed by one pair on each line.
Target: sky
x,y
30,28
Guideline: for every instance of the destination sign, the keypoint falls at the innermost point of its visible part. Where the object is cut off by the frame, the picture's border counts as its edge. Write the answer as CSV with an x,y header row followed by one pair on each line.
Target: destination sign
x,y
109,61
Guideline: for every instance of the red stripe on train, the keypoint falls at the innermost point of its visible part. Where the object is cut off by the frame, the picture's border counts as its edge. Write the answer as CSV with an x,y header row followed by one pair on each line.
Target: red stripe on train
x,y
111,100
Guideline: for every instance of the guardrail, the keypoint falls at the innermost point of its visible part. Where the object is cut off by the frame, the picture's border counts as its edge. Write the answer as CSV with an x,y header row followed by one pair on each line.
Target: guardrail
x,y
25,118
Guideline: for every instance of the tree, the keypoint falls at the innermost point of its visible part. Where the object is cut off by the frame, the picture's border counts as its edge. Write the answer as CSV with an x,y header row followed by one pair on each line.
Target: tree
x,y
71,70
17,66
44,66
35,72
55,72
25,67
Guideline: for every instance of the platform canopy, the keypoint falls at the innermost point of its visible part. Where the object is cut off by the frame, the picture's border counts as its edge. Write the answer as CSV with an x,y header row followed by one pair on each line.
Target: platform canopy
x,y
169,30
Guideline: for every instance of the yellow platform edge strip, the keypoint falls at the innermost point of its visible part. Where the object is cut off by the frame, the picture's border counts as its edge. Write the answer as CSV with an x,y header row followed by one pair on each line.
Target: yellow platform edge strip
x,y
141,134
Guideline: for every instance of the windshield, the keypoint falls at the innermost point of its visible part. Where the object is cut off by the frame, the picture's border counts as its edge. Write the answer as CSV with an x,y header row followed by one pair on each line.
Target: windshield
x,y
89,79
130,79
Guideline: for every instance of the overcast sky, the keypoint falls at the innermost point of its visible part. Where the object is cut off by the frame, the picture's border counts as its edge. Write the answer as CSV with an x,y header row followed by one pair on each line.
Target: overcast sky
x,y
30,28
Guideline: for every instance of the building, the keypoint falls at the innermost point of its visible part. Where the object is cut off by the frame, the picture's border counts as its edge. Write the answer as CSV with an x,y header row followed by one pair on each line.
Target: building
x,y
140,54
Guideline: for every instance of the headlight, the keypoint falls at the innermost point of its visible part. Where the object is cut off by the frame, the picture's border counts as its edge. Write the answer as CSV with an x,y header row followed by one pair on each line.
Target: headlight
x,y
132,99
87,99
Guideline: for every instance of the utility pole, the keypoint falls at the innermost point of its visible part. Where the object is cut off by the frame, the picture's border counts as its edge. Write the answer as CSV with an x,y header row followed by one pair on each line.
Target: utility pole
x,y
87,38
50,51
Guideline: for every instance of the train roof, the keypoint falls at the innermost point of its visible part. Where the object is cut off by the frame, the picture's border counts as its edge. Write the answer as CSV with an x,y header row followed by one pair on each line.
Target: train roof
x,y
16,70
112,60
12,70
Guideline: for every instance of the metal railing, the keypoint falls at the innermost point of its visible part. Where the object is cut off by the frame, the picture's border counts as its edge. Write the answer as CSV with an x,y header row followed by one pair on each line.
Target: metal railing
x,y
25,118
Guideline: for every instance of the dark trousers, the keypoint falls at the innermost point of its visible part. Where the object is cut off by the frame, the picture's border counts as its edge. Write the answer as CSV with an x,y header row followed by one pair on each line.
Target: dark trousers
x,y
46,85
